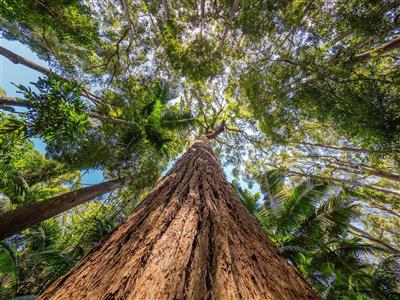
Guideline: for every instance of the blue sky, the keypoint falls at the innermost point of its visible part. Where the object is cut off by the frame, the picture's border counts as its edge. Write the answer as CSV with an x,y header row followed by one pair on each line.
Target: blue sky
x,y
11,73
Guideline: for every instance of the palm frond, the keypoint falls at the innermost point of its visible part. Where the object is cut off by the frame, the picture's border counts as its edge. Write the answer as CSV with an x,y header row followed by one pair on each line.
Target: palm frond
x,y
10,179
272,186
176,120
299,205
249,200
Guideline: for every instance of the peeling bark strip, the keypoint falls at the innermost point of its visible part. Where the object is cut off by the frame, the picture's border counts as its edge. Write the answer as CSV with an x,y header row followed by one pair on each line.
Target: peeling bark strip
x,y
191,238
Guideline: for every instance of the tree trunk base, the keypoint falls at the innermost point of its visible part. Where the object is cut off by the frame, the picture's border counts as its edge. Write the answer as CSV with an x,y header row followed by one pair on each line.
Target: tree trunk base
x,y
191,238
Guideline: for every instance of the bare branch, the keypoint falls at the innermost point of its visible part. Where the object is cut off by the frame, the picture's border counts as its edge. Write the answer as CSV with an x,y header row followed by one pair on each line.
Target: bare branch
x,y
348,182
362,233
216,132
166,9
340,148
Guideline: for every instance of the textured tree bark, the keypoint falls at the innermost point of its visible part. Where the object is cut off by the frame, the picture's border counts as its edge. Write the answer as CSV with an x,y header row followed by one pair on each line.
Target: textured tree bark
x,y
24,217
191,238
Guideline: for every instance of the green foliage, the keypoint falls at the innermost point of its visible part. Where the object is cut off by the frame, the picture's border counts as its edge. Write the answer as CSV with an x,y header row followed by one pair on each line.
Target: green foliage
x,y
26,175
55,112
311,72
285,77
50,27
29,262
310,225
68,19
191,58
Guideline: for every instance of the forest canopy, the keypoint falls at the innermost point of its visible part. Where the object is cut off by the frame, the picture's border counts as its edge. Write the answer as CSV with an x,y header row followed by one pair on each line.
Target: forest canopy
x,y
304,96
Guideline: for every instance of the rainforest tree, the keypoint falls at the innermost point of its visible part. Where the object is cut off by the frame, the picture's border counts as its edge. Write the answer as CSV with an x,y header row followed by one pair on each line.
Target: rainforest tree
x,y
299,100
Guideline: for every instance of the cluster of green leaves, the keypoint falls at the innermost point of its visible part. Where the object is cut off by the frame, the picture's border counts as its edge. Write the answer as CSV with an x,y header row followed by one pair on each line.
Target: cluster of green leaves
x,y
68,19
31,260
310,225
26,175
191,58
55,111
290,67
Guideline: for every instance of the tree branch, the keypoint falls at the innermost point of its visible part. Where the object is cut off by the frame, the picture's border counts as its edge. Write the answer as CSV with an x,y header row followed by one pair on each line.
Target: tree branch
x,y
344,148
348,182
216,132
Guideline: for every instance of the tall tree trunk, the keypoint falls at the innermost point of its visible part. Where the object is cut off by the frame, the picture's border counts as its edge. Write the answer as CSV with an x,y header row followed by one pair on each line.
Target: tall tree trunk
x,y
343,148
347,182
191,238
29,215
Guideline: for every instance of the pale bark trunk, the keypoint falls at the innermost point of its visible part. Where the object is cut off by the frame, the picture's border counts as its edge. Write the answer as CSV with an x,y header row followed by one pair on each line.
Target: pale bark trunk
x,y
348,182
363,234
378,51
17,59
14,221
232,13
191,238
344,148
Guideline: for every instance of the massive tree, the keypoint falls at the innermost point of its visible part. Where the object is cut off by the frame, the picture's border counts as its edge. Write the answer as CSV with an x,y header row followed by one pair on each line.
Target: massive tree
x,y
306,87
190,238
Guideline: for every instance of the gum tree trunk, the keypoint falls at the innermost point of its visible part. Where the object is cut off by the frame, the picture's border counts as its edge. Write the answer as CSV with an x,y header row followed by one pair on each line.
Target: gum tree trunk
x,y
14,221
191,238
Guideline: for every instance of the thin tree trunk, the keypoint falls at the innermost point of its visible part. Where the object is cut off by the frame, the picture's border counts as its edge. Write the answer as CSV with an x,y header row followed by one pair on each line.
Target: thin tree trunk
x,y
364,171
382,208
382,49
166,9
191,238
232,13
17,59
14,221
348,182
362,233
344,148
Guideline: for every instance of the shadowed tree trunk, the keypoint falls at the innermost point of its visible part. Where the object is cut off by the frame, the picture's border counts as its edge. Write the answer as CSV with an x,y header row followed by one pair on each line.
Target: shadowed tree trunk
x,y
16,220
191,238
